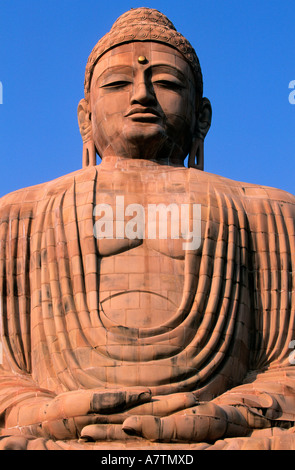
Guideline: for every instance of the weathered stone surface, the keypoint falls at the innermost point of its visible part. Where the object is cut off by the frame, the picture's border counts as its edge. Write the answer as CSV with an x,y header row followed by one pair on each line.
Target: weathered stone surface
x,y
134,341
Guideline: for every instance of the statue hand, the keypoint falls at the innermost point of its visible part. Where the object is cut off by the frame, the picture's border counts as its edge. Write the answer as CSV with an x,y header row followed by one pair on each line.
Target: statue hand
x,y
13,443
110,428
204,423
65,415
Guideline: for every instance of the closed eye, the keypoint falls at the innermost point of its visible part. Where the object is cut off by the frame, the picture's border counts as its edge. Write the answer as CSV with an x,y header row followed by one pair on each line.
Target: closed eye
x,y
115,84
169,84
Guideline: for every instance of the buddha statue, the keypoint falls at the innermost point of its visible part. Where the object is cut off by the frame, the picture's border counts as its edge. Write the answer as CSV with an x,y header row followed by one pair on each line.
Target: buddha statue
x,y
144,341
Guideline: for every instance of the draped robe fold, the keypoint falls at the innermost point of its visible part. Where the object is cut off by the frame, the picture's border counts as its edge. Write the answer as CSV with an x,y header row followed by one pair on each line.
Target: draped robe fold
x,y
228,341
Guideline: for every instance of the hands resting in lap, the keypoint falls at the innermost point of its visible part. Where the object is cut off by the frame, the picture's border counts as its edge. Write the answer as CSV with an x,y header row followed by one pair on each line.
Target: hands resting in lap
x,y
120,414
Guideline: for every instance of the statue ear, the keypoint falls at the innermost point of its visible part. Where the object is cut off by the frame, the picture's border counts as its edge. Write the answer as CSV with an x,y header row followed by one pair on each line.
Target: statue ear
x,y
84,120
196,156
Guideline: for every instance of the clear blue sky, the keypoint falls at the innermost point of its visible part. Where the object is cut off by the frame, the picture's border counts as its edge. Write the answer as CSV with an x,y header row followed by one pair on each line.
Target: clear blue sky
x,y
246,49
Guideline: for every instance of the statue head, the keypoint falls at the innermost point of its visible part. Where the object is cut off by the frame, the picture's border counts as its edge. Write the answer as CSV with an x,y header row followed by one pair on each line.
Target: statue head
x,y
144,94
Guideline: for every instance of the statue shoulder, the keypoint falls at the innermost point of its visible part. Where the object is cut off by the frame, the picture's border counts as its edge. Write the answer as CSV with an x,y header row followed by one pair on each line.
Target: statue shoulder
x,y
247,190
27,198
280,195
253,197
12,202
262,199
273,195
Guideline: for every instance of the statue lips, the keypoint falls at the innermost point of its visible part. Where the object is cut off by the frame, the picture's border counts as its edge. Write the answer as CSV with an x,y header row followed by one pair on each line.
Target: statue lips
x,y
140,114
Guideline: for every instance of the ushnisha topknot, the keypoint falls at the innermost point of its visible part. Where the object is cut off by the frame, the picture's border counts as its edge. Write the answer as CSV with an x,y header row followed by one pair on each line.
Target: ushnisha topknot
x,y
143,24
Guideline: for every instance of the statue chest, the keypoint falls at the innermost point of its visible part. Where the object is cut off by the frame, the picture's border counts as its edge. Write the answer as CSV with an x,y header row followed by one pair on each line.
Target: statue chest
x,y
144,226
154,209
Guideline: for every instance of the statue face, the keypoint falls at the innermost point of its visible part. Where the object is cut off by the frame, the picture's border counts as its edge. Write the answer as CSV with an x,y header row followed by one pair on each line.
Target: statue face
x,y
143,103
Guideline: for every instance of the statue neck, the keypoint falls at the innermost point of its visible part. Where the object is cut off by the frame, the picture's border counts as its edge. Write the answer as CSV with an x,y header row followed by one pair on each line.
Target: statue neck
x,y
128,163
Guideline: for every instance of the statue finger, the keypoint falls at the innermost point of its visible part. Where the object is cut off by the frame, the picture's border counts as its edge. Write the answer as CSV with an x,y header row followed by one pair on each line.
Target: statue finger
x,y
13,443
175,428
104,432
166,405
95,418
83,402
149,427
114,401
58,429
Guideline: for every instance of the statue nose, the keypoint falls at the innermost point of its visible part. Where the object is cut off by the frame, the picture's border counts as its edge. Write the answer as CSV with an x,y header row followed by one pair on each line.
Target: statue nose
x,y
143,93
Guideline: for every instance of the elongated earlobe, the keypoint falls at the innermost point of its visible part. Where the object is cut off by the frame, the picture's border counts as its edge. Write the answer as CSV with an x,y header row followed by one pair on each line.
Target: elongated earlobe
x,y
89,154
84,119
196,156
